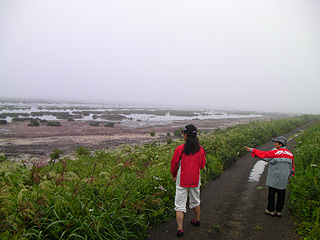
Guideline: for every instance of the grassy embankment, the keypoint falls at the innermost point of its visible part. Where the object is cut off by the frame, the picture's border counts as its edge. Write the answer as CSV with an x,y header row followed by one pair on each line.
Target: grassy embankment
x,y
113,194
304,200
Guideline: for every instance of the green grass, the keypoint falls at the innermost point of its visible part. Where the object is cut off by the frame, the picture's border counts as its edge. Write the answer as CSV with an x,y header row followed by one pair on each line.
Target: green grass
x,y
304,200
116,193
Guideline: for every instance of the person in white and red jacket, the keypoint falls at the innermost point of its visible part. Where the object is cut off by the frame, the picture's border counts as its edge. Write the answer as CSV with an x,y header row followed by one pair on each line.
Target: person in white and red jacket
x,y
187,161
281,168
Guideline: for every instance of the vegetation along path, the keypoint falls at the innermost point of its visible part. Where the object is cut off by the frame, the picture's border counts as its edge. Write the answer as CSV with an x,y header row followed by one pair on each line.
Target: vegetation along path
x,y
232,207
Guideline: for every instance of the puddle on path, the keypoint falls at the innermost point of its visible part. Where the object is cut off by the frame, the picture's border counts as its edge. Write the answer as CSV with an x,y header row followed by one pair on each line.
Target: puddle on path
x,y
257,170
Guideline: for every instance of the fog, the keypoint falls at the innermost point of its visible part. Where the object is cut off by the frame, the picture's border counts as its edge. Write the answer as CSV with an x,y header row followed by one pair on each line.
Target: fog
x,y
232,54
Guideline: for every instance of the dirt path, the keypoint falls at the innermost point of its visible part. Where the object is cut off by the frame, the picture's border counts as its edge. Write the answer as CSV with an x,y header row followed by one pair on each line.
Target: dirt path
x,y
233,208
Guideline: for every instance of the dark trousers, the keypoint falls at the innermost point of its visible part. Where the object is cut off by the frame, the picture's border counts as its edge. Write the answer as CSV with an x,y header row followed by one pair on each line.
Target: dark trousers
x,y
281,194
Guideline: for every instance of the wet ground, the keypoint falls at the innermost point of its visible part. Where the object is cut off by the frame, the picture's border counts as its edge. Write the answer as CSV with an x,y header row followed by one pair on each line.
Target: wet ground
x,y
18,138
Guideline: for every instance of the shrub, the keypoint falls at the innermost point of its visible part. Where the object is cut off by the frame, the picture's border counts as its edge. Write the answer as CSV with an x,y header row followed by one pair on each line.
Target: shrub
x,y
33,122
109,124
95,124
54,124
152,134
2,157
2,122
82,151
70,119
56,154
177,133
169,141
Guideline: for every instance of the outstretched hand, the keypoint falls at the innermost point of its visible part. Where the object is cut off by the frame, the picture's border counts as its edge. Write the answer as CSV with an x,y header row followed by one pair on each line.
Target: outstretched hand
x,y
247,148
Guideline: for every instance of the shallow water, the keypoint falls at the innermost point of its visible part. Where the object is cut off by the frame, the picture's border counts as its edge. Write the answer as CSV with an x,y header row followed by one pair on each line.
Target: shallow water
x,y
257,170
136,119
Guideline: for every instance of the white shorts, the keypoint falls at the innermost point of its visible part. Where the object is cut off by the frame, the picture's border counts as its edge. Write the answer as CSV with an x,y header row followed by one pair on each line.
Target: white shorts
x,y
181,198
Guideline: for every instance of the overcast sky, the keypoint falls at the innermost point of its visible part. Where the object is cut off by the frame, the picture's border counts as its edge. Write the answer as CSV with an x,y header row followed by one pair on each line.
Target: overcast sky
x,y
232,54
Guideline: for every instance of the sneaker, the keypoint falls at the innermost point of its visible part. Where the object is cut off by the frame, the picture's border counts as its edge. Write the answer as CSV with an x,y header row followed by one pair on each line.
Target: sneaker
x,y
196,223
278,214
180,233
269,213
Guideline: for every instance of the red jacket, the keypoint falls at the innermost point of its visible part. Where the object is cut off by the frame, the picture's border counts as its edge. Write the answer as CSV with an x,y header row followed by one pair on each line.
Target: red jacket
x,y
281,166
190,166
275,155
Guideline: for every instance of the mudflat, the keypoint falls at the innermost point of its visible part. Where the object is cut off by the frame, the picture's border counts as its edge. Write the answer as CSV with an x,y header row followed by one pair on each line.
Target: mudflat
x,y
18,138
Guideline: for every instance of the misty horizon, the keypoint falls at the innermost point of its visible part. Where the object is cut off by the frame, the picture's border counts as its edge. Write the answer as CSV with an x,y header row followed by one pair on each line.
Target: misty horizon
x,y
127,105
232,55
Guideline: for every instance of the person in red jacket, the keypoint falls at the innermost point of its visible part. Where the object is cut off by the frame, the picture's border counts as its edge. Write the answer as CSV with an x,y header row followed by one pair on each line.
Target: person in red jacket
x,y
187,161
281,168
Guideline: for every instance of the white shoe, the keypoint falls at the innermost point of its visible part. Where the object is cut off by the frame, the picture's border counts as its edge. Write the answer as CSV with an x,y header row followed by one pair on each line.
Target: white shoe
x,y
279,214
269,213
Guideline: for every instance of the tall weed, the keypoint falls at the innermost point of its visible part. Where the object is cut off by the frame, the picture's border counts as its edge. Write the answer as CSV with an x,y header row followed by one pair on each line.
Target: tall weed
x,y
304,200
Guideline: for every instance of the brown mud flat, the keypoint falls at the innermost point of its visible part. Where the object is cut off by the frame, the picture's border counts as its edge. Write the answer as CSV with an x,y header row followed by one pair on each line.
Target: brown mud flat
x,y
18,138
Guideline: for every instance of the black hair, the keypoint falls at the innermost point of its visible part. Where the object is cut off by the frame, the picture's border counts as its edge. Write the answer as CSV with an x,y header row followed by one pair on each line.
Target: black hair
x,y
281,143
191,145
